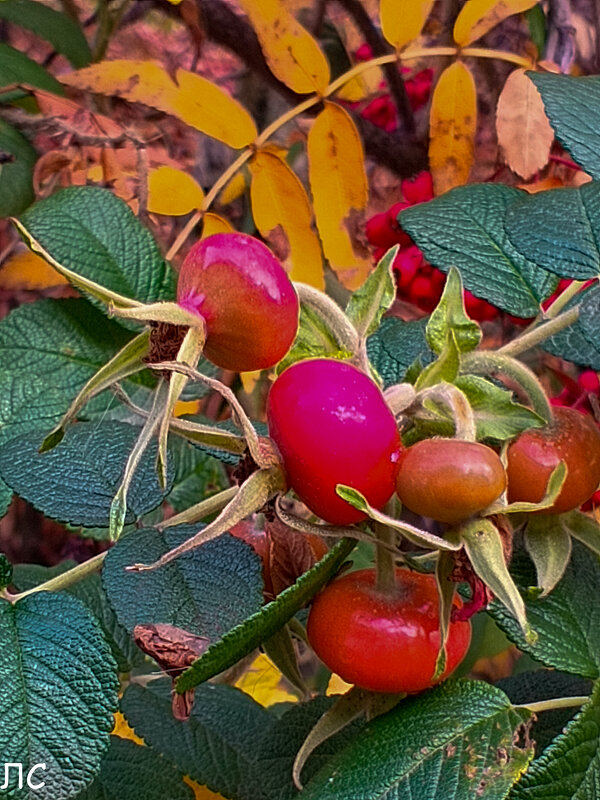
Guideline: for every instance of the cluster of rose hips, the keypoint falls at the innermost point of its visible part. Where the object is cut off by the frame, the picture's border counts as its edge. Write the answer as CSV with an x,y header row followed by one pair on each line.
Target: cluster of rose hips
x,y
417,281
331,425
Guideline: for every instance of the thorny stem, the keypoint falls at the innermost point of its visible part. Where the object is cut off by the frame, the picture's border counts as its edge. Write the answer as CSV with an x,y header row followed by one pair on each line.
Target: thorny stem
x,y
539,334
554,703
68,578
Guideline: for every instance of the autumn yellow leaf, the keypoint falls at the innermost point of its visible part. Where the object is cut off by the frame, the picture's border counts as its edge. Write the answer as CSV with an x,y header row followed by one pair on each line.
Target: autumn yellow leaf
x,y
192,98
339,187
186,407
213,223
262,681
293,55
234,189
337,685
403,20
282,214
477,17
172,191
524,132
202,792
452,126
26,270
249,380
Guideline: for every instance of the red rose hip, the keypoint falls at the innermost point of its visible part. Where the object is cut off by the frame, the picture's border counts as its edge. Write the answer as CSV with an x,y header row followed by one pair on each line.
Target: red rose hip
x,y
332,425
245,297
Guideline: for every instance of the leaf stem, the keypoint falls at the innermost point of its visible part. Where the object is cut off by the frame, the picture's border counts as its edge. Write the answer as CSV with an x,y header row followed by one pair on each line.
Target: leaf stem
x,y
537,335
502,55
64,580
554,703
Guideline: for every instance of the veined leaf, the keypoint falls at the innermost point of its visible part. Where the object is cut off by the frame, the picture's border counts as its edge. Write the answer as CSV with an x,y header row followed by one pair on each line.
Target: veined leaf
x,y
191,98
292,53
16,67
16,177
282,213
367,305
453,123
479,16
524,133
340,192
403,20
173,192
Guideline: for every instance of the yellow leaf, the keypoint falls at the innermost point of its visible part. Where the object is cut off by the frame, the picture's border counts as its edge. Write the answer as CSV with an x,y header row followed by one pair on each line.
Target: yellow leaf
x,y
249,380
123,730
27,270
477,17
338,182
403,20
172,191
234,189
282,214
524,133
337,685
213,223
262,682
293,55
201,792
186,407
193,99
453,122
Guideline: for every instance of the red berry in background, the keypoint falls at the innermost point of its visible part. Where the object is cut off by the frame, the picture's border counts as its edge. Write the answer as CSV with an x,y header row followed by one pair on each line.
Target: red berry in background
x,y
571,437
332,425
245,297
384,642
381,232
449,480
418,189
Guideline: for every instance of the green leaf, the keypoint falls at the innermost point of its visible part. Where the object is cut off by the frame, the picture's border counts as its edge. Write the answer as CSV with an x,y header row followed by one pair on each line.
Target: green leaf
x,y
216,747
16,182
445,367
571,344
91,593
314,339
48,350
545,684
369,303
583,528
198,475
58,693
569,769
16,67
260,626
207,591
497,415
559,229
63,33
77,481
94,234
6,571
130,771
395,346
549,546
567,621
450,315
465,228
6,495
573,108
589,317
458,741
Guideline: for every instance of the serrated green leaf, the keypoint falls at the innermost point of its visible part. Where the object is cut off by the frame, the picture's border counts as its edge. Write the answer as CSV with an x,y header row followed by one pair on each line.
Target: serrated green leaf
x,y
395,346
6,495
48,350
589,317
573,108
314,340
260,626
130,771
567,622
458,741
58,693
549,546
6,571
369,303
198,475
559,229
571,344
545,684
76,482
94,234
16,181
497,415
16,67
216,747
450,315
63,33
207,591
569,769
91,593
444,368
465,228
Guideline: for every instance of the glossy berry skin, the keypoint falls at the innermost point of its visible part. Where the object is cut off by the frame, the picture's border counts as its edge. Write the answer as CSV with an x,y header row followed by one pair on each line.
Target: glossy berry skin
x,y
384,642
449,480
331,425
245,297
571,437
